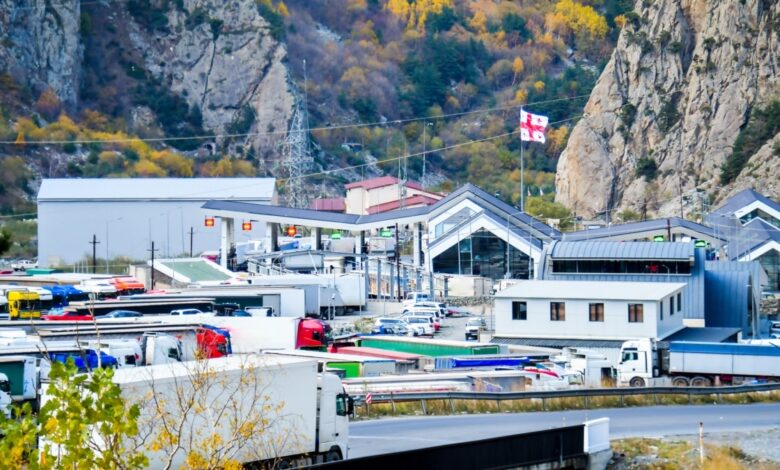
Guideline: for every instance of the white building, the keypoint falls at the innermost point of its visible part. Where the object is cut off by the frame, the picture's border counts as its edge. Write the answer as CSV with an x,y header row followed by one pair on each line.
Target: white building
x,y
587,314
127,214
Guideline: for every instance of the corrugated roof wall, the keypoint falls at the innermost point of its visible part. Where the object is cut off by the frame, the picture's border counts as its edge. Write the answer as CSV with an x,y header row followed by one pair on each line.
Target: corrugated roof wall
x,y
622,250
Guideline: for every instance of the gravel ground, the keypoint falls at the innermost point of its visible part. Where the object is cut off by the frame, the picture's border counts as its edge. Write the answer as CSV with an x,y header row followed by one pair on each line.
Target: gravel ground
x,y
763,445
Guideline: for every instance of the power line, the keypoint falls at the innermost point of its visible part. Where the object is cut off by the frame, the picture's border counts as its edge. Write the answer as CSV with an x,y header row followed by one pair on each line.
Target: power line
x,y
313,129
419,154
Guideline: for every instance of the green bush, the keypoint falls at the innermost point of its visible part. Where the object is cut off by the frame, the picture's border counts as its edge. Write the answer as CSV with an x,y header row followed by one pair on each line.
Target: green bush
x,y
646,168
763,124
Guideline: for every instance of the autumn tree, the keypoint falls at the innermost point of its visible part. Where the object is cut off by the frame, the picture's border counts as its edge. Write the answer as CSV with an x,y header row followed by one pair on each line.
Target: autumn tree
x,y
48,105
84,422
198,415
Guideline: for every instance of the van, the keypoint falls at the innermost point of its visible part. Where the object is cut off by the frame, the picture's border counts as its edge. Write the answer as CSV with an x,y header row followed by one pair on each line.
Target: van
x,y
414,297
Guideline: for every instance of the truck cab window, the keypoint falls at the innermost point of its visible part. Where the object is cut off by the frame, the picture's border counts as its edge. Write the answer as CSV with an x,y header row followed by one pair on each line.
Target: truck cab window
x,y
630,356
5,386
341,404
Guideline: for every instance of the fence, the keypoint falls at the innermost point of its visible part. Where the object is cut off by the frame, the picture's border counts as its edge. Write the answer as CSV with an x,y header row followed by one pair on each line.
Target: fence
x,y
586,394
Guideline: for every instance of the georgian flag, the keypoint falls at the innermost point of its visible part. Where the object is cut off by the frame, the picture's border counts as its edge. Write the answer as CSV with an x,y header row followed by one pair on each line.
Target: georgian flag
x,y
532,127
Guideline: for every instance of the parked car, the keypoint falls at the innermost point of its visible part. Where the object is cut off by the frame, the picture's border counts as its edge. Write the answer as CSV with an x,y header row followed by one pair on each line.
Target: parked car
x,y
774,328
425,322
67,316
390,326
473,325
441,310
188,311
433,320
122,314
23,264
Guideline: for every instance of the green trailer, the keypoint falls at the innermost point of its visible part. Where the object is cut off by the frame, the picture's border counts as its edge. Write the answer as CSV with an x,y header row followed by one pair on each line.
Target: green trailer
x,y
429,347
351,369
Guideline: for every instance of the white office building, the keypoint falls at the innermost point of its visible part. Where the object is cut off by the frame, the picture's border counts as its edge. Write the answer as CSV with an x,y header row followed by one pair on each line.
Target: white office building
x,y
126,214
588,314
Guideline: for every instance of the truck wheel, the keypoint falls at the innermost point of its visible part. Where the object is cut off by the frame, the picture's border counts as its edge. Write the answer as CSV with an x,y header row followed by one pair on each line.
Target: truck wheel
x,y
680,381
700,382
333,456
637,382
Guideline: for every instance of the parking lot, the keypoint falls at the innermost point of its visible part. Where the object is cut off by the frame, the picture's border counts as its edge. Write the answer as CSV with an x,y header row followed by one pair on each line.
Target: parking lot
x,y
452,328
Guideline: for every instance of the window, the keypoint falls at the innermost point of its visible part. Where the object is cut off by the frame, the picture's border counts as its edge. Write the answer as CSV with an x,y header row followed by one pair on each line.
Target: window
x,y
630,355
671,306
596,312
636,313
661,309
557,311
341,405
519,311
679,301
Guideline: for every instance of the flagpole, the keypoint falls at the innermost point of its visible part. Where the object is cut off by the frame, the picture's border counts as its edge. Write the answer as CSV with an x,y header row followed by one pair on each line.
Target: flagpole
x,y
522,168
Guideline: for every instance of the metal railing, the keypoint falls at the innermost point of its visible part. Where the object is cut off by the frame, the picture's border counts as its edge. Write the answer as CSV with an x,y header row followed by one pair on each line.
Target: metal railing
x,y
585,393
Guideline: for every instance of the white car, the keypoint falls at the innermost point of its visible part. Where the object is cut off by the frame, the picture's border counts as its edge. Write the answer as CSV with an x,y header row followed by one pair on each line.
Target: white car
x,y
416,322
189,311
433,320
473,325
441,310
23,264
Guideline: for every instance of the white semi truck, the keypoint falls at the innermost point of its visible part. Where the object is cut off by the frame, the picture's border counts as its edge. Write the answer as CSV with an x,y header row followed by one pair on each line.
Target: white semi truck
x,y
646,362
305,413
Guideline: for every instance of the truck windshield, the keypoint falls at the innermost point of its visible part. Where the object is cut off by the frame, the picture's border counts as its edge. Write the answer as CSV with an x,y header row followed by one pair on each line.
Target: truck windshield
x,y
341,404
629,355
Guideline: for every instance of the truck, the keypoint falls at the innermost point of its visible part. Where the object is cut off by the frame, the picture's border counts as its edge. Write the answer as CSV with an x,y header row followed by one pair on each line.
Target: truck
x,y
24,305
306,413
5,396
21,375
254,334
646,362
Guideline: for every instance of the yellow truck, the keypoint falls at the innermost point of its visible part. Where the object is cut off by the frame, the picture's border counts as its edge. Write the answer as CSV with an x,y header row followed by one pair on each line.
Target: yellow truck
x,y
23,305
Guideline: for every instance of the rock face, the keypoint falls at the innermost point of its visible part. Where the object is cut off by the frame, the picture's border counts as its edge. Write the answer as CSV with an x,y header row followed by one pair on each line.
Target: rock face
x,y
40,45
225,63
675,93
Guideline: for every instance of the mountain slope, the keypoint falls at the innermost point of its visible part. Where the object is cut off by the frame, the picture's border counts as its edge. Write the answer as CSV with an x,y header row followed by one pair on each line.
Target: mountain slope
x,y
662,118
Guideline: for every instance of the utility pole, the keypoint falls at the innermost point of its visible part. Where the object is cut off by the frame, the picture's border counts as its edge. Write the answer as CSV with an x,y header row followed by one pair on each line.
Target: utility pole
x,y
668,230
151,271
397,264
192,235
94,244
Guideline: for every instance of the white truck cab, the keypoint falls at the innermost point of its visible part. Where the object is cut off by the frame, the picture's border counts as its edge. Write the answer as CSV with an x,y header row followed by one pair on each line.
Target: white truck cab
x,y
637,366
415,297
333,409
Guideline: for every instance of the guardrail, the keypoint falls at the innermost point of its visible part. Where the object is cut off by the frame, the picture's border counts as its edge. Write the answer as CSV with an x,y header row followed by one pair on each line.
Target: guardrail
x,y
585,393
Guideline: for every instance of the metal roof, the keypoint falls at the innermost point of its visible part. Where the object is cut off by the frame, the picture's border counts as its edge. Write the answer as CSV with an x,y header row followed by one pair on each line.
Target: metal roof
x,y
194,189
590,290
290,215
524,234
742,199
705,335
558,343
621,250
639,227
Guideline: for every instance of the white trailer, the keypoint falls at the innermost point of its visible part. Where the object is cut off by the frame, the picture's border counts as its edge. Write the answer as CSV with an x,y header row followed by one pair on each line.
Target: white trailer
x,y
341,292
647,362
306,414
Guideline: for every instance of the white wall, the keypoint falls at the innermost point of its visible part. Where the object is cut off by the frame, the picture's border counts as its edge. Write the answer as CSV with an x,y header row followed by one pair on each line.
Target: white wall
x,y
126,228
577,324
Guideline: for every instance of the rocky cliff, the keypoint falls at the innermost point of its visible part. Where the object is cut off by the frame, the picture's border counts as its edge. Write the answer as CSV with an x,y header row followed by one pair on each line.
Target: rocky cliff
x,y
137,59
41,46
669,105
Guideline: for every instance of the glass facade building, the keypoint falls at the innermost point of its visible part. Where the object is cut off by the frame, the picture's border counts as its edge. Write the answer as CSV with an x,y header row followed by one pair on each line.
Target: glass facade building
x,y
484,254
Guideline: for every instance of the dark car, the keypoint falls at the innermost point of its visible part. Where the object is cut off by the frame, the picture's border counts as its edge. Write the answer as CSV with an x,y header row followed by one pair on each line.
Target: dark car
x,y
122,314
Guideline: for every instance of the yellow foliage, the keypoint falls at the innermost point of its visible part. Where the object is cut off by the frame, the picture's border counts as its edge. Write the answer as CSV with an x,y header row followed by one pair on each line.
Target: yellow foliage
x,y
357,5
621,21
479,22
111,158
556,138
176,164
415,12
539,86
147,168
19,139
521,96
576,17
282,9
518,66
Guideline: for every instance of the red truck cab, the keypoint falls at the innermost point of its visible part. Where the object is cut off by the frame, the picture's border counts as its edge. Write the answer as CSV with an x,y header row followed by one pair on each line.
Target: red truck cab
x,y
313,334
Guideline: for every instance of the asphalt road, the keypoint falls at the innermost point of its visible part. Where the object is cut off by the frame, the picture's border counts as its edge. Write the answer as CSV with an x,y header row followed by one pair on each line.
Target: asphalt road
x,y
396,434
